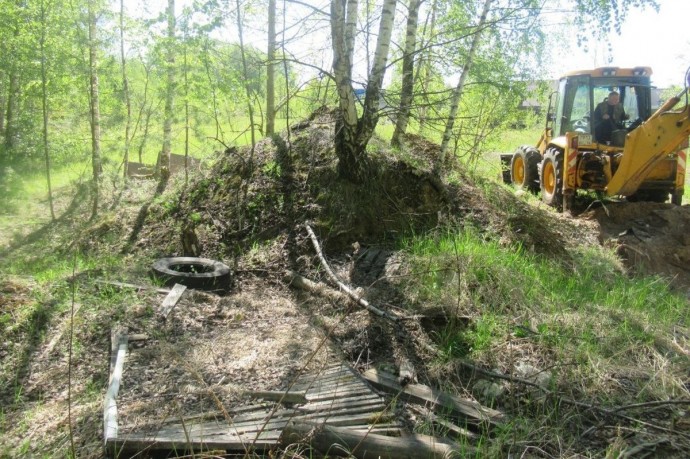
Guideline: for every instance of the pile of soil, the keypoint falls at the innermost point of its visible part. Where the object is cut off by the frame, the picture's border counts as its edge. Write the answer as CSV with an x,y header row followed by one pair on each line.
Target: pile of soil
x,y
651,238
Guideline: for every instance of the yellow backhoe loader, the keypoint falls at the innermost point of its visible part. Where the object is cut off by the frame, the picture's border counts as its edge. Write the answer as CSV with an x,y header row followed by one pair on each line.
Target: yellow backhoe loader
x,y
601,135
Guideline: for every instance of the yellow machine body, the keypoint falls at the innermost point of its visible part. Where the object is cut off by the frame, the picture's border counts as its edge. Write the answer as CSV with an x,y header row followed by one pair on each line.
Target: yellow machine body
x,y
644,159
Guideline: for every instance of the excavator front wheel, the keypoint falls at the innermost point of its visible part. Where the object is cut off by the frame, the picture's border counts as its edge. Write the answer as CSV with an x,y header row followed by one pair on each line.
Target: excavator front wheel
x,y
524,169
551,178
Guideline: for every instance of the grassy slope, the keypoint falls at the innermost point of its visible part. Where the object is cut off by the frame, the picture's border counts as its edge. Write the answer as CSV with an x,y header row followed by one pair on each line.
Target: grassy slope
x,y
594,334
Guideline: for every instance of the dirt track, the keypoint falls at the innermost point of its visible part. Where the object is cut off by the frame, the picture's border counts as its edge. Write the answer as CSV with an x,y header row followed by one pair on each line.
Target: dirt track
x,y
650,238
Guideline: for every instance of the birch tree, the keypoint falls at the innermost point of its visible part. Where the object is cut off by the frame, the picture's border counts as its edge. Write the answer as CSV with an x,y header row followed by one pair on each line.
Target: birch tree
x,y
457,94
245,73
94,111
169,97
44,100
125,88
16,19
407,89
270,69
353,133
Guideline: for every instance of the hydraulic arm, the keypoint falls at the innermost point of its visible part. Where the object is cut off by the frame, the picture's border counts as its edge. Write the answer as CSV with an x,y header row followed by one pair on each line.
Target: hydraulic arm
x,y
647,145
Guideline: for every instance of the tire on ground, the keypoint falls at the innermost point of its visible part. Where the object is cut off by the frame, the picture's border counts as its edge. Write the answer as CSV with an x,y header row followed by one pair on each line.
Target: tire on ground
x,y
194,272
524,169
551,178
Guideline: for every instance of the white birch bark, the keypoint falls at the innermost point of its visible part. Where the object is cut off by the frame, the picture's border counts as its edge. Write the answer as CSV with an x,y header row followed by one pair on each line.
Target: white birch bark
x,y
457,94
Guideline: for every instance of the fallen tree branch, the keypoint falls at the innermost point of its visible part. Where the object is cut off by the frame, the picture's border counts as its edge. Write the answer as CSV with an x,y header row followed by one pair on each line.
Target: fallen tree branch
x,y
298,281
351,293
654,403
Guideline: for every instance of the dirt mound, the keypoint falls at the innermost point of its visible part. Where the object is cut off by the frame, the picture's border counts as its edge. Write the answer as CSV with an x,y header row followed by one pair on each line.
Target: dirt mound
x,y
251,197
651,238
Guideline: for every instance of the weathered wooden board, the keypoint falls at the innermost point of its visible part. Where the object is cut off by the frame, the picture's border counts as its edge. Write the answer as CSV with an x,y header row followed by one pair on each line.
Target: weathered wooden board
x,y
474,412
110,404
171,300
131,286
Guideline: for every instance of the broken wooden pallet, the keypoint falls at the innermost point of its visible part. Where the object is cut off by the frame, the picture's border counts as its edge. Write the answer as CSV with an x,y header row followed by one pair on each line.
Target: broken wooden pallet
x,y
336,396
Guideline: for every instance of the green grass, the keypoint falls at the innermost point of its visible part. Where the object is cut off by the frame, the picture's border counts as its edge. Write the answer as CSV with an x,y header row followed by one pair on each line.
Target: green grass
x,y
589,310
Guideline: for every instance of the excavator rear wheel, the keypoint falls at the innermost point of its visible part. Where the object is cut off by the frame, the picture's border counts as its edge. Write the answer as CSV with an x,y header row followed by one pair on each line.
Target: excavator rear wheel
x,y
524,169
551,178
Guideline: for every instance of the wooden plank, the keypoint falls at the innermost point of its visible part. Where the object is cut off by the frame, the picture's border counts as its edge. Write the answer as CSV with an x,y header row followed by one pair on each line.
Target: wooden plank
x,y
327,389
348,403
419,393
278,396
208,430
332,380
336,378
364,445
335,383
319,397
132,286
110,404
371,396
171,300
323,412
122,446
362,419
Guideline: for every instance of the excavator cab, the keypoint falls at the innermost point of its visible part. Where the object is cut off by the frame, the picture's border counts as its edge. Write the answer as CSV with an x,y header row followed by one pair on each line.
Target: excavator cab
x,y
578,96
605,133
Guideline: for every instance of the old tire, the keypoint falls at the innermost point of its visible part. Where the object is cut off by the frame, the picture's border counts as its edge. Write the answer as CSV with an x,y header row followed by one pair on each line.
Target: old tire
x,y
194,272
524,169
551,178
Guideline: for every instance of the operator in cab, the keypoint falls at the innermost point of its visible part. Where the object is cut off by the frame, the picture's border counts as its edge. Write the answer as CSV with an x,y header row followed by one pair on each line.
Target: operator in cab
x,y
608,117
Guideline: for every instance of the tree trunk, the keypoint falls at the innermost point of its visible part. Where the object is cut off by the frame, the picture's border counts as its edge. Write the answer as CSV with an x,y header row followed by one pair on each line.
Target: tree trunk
x,y
352,135
144,112
370,116
424,66
13,93
270,70
125,88
44,105
457,94
94,111
186,109
245,72
164,162
349,164
206,59
407,72
3,101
